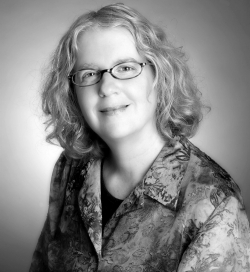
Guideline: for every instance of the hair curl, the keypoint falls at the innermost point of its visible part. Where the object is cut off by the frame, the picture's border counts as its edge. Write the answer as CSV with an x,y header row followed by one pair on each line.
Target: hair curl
x,y
179,109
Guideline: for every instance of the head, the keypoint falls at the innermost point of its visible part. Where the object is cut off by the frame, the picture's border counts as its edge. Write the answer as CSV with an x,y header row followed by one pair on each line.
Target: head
x,y
179,108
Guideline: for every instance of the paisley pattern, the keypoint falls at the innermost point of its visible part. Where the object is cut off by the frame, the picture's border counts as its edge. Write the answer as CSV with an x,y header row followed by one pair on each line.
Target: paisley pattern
x,y
186,215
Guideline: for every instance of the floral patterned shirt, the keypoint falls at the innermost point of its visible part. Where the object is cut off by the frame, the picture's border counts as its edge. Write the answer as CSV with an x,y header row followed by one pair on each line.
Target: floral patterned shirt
x,y
186,215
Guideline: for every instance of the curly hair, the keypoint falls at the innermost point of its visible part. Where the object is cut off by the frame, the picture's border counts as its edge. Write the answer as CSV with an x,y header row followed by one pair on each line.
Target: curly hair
x,y
179,109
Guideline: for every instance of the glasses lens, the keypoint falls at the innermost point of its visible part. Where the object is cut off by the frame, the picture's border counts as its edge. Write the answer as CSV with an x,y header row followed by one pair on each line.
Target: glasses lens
x,y
127,70
86,77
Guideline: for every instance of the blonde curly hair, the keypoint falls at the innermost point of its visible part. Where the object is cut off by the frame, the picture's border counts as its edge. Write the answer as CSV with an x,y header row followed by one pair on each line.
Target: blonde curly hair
x,y
179,109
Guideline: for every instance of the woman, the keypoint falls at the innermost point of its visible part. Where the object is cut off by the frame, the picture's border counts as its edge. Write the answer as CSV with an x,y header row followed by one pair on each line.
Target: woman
x,y
130,192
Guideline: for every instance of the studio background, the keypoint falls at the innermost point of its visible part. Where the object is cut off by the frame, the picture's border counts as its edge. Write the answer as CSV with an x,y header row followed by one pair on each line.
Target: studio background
x,y
214,33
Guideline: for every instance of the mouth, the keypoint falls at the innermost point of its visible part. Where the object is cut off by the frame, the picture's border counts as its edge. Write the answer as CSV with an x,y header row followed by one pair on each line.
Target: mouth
x,y
113,110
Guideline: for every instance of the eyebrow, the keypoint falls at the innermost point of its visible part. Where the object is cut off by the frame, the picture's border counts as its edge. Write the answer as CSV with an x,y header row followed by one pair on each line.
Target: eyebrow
x,y
95,67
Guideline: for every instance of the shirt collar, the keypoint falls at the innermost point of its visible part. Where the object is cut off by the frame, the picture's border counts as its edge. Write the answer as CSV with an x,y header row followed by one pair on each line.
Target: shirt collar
x,y
162,182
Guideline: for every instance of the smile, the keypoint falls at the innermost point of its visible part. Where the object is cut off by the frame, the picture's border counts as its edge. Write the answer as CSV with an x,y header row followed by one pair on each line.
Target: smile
x,y
113,110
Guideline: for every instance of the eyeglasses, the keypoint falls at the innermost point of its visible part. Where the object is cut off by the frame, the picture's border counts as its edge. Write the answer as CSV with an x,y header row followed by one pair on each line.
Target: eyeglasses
x,y
122,71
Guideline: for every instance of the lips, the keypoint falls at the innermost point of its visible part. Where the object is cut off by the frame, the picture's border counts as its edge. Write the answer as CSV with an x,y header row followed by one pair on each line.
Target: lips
x,y
114,109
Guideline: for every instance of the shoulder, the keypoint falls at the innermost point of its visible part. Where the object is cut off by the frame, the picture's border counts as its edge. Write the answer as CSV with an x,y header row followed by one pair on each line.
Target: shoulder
x,y
213,214
204,171
65,180
206,185
65,169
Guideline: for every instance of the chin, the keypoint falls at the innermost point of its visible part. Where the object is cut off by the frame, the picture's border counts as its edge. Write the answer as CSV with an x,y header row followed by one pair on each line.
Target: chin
x,y
114,134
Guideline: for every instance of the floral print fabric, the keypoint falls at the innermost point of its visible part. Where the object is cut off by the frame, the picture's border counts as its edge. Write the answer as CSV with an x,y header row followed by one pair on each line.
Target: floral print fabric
x,y
185,215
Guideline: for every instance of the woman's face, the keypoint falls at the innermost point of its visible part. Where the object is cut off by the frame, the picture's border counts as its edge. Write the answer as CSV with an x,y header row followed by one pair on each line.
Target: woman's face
x,y
115,109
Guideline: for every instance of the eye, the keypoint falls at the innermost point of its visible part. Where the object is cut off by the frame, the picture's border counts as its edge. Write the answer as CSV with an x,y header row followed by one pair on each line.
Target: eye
x,y
125,68
86,74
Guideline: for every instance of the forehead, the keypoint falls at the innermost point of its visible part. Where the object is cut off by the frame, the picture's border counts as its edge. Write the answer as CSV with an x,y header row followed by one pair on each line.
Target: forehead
x,y
104,47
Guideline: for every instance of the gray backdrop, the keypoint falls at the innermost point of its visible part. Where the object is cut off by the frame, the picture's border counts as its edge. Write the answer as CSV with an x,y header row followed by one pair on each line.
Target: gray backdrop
x,y
214,33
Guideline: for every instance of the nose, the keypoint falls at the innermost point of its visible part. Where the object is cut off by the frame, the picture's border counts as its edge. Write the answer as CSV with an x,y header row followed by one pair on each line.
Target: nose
x,y
108,85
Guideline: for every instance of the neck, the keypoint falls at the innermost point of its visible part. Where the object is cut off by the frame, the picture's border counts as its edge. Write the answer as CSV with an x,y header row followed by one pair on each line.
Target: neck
x,y
128,162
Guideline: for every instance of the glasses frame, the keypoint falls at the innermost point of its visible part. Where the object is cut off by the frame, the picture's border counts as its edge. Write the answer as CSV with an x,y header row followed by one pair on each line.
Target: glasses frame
x,y
101,72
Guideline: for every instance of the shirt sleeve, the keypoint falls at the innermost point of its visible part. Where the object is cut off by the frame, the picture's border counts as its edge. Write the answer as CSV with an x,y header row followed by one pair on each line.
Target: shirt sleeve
x,y
61,173
222,243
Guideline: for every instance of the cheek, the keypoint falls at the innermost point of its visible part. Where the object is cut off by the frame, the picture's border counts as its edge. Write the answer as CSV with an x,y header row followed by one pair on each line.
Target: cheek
x,y
151,102
151,95
81,100
85,103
